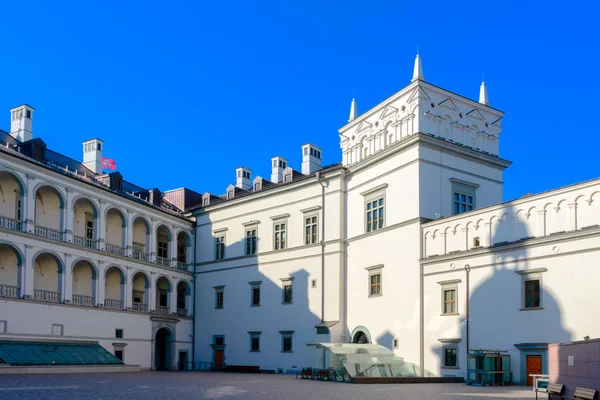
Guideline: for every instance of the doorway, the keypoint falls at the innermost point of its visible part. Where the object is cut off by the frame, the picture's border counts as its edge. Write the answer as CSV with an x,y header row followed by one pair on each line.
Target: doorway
x,y
183,360
534,366
162,349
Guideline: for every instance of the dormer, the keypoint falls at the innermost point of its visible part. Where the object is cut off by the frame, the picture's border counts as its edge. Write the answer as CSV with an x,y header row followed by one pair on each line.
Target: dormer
x,y
230,194
288,175
257,184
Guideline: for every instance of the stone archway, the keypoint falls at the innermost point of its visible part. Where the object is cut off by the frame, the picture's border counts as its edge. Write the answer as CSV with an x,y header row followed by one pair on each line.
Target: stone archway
x,y
361,335
162,349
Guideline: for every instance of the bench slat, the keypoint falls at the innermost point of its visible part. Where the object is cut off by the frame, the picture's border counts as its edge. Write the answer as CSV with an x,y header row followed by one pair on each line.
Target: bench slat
x,y
555,388
585,394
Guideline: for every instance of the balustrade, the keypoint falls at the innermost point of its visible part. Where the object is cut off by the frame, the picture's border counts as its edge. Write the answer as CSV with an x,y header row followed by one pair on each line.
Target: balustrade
x,y
163,261
182,266
9,291
138,255
114,304
111,248
11,223
48,233
162,310
88,301
85,242
139,307
182,312
46,295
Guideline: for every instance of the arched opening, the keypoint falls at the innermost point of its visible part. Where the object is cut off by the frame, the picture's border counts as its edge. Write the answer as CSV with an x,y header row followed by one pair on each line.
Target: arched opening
x,y
183,299
85,221
163,243
141,239
162,349
49,208
47,278
114,288
183,246
360,337
115,232
163,295
12,201
84,284
140,285
10,271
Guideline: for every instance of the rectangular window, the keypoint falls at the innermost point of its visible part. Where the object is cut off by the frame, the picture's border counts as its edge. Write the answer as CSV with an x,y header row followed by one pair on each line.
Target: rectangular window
x,y
287,345
119,354
89,229
280,235
375,284
220,247
255,294
310,229
287,292
462,203
219,291
251,241
375,214
119,333
219,340
205,201
254,341
18,208
450,301
532,293
450,357
463,196
162,249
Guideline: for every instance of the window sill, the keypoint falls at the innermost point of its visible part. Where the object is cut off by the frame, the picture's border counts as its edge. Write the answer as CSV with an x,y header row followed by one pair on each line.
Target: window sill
x,y
375,295
531,309
254,305
444,367
449,314
287,351
219,308
254,351
287,303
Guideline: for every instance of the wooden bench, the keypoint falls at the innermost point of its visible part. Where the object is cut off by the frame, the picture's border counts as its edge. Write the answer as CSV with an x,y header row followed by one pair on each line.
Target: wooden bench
x,y
554,391
585,394
306,373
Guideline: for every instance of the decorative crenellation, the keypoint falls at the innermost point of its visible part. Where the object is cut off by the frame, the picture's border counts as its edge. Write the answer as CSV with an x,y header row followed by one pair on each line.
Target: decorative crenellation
x,y
550,213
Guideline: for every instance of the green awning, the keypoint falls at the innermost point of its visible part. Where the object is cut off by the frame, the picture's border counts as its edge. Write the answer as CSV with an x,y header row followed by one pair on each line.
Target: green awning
x,y
19,353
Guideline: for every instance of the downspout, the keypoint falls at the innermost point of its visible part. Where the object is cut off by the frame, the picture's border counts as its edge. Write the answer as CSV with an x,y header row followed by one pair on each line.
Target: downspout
x,y
194,301
319,175
468,270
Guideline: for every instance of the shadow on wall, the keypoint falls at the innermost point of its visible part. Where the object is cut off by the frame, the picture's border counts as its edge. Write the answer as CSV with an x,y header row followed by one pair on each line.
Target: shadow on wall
x,y
510,309
263,315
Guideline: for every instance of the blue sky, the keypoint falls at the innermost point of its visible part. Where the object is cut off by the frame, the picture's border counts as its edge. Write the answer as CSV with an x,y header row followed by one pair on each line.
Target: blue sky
x,y
182,93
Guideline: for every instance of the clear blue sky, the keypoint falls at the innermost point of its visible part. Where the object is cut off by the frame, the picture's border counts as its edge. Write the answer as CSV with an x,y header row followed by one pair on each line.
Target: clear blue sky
x,y
182,93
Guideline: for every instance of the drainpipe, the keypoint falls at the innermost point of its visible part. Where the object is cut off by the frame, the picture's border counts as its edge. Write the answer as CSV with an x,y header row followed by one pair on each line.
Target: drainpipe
x,y
319,176
467,270
194,301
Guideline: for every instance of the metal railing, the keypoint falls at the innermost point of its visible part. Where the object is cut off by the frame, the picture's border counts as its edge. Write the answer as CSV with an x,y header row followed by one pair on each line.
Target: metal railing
x,y
138,255
139,307
48,233
163,261
162,310
9,291
201,366
182,266
114,249
114,304
85,242
11,223
82,300
182,312
46,295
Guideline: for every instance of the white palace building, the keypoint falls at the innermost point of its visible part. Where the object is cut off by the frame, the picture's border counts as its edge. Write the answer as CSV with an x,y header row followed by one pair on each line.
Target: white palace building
x,y
406,244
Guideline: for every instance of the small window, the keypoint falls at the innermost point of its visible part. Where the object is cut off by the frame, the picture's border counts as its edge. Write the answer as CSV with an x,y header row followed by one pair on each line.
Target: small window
x,y
99,146
450,301
287,345
255,294
255,342
257,186
251,241
450,357
119,354
532,293
230,194
313,283
287,178
205,201
287,292
220,247
310,229
29,114
89,229
280,233
463,196
476,242
219,340
119,333
395,343
18,207
375,214
375,284
219,295
163,249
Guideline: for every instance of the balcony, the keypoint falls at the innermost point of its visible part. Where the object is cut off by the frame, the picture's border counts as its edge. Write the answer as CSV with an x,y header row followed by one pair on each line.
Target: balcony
x,y
113,304
182,312
84,242
138,255
111,248
81,300
12,224
163,261
46,295
139,307
164,310
9,291
48,233
182,266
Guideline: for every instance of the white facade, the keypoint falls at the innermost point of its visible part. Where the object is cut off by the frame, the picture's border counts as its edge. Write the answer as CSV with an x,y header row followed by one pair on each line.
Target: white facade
x,y
420,156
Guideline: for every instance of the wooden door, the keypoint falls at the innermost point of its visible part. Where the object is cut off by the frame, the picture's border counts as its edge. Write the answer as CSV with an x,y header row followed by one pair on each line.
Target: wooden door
x,y
218,358
534,366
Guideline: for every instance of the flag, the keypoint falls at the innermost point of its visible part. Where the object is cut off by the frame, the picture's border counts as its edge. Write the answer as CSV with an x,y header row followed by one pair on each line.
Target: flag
x,y
108,163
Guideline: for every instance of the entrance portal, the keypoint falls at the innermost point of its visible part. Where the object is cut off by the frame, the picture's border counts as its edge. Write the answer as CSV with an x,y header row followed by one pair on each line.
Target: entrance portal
x,y
162,349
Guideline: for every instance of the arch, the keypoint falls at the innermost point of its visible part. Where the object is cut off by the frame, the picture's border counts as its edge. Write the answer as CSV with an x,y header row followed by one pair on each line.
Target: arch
x,y
94,267
170,284
163,340
17,251
188,286
144,274
188,239
135,216
121,214
169,232
59,261
95,206
360,333
20,181
59,193
118,268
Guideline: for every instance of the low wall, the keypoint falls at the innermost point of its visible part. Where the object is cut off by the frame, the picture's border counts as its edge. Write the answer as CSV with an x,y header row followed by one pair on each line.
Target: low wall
x,y
68,369
415,379
575,364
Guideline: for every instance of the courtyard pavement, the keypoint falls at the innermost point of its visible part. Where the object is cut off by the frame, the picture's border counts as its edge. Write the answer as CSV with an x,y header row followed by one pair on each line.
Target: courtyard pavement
x,y
229,386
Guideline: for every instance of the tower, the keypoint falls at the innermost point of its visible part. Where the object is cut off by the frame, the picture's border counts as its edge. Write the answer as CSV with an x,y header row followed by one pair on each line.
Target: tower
x,y
21,123
311,158
92,154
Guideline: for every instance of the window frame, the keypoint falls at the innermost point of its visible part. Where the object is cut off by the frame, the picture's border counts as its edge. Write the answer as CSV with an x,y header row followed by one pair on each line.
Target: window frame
x,y
254,335
219,290
447,286
287,335
282,242
255,285
376,194
285,283
445,348
376,270
310,226
122,333
162,249
253,246
463,188
220,244
527,276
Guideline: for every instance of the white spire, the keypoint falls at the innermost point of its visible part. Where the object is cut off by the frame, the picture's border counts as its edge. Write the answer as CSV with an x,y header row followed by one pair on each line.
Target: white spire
x,y
353,112
418,71
483,97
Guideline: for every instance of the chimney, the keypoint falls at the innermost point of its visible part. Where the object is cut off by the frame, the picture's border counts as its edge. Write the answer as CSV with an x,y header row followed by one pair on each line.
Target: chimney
x,y
154,197
243,178
21,123
92,155
278,165
311,159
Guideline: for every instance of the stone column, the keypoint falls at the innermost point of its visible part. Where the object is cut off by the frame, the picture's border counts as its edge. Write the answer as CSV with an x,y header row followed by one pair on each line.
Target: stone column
x,y
101,284
572,223
67,279
486,240
152,294
27,272
68,217
541,223
128,295
28,204
173,297
465,233
101,224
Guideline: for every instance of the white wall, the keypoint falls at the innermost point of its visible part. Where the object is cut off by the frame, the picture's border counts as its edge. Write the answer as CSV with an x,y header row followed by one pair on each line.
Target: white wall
x,y
47,208
9,270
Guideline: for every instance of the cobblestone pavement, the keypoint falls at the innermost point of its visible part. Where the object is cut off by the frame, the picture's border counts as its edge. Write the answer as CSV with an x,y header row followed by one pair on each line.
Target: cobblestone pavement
x,y
227,386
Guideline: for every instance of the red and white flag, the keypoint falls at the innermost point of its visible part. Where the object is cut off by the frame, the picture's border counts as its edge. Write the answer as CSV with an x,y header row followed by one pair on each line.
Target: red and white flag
x,y
108,163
